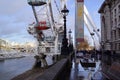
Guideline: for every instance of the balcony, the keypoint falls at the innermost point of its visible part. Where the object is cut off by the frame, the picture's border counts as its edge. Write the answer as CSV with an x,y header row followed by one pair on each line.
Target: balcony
x,y
113,28
118,26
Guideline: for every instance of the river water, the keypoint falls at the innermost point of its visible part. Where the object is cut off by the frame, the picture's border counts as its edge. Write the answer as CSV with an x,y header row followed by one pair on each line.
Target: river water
x,y
12,67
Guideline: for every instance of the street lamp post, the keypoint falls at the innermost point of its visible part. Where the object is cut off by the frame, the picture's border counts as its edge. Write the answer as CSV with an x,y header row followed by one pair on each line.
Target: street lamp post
x,y
64,48
102,51
92,34
70,42
102,48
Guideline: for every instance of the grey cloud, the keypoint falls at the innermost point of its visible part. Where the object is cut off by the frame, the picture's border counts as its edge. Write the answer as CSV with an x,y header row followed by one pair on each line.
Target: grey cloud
x,y
11,29
19,37
14,17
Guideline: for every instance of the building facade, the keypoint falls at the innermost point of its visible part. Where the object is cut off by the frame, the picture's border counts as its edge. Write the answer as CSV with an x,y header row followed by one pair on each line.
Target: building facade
x,y
110,38
110,25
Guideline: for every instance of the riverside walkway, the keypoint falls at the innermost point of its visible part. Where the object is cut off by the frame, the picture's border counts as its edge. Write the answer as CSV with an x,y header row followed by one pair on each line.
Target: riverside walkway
x,y
67,69
63,71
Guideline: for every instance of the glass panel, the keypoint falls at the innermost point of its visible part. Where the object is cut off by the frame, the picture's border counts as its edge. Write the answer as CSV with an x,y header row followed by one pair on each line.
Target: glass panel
x,y
36,0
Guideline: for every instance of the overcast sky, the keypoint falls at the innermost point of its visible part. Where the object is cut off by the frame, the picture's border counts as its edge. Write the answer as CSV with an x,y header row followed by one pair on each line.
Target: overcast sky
x,y
15,15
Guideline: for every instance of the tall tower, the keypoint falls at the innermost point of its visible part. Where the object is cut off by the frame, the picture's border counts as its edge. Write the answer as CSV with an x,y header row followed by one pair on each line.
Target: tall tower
x,y
79,22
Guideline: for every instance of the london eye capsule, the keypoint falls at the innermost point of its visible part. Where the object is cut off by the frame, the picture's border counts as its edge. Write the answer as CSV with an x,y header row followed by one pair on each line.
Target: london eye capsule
x,y
43,25
36,2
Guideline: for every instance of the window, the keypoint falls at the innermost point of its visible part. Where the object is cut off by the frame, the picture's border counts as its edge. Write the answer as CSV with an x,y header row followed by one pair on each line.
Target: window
x,y
119,46
115,12
115,21
119,19
112,15
115,46
112,23
114,35
119,33
103,20
119,8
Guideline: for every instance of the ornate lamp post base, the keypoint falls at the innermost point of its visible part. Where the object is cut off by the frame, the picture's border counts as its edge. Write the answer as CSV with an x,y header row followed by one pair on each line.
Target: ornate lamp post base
x,y
64,48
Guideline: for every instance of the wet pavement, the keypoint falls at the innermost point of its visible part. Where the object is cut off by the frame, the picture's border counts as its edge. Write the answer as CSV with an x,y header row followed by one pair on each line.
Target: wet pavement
x,y
12,67
78,72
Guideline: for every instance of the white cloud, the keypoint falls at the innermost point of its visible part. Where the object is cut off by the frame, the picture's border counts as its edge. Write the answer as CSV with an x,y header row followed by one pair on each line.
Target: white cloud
x,y
15,16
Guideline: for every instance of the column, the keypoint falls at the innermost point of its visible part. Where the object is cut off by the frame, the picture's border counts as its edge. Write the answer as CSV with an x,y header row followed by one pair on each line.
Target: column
x,y
108,27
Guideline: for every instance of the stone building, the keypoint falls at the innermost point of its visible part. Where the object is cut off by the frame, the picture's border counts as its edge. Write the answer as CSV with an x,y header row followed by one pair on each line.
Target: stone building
x,y
110,25
110,38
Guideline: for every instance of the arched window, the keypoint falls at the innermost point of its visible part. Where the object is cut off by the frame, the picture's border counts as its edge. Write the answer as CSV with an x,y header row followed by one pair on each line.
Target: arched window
x,y
115,12
119,32
119,19
115,22
103,20
119,8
